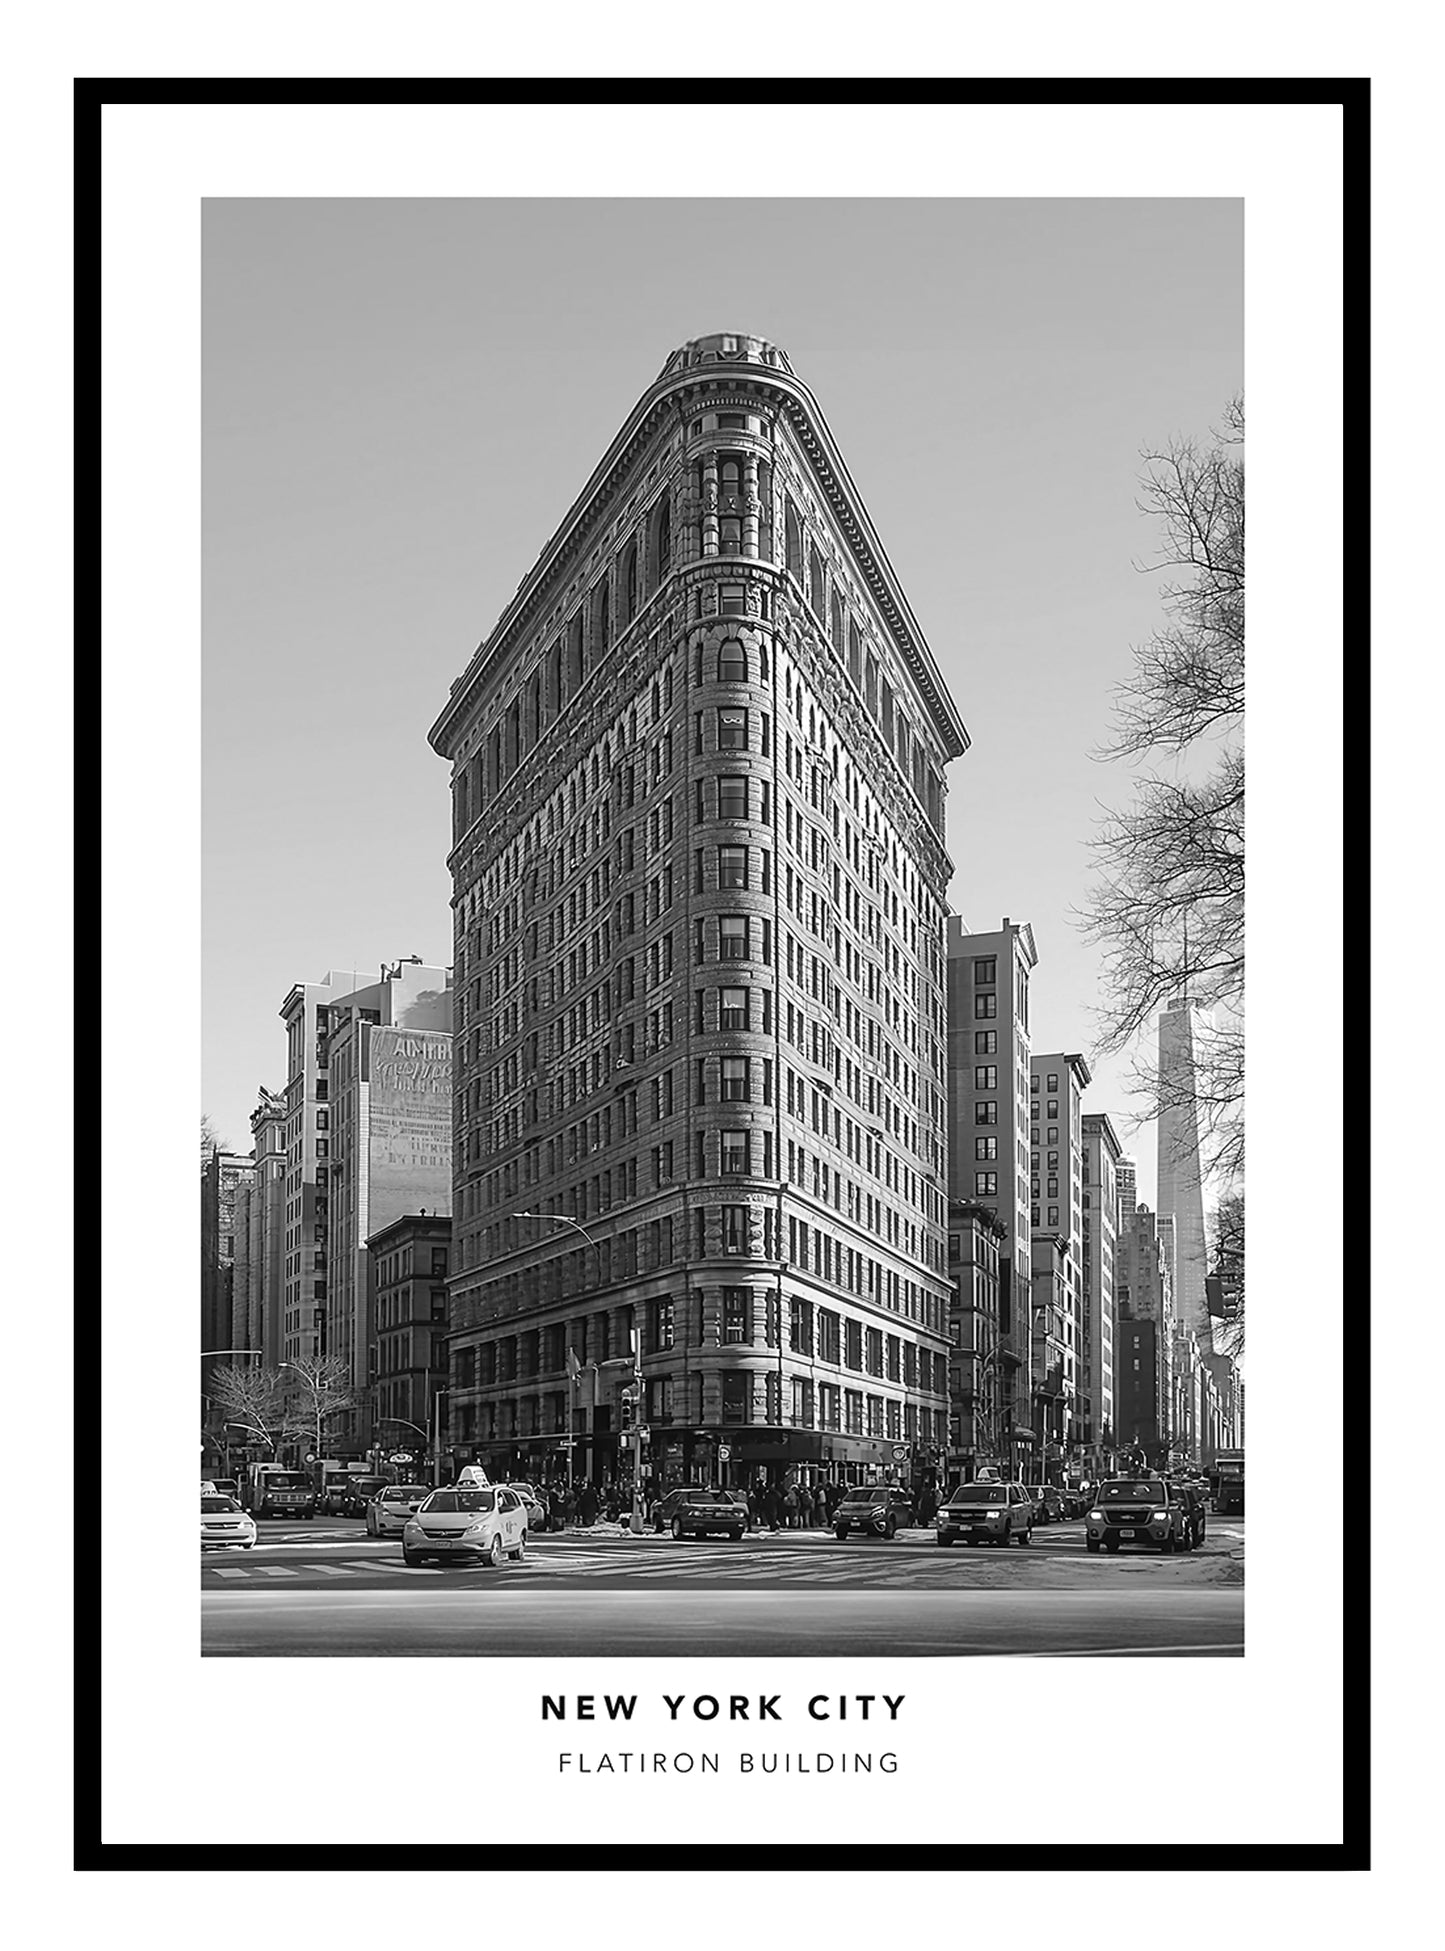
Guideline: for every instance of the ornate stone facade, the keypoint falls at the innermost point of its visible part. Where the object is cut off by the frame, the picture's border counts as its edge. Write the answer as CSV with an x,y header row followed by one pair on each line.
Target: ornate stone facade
x,y
699,882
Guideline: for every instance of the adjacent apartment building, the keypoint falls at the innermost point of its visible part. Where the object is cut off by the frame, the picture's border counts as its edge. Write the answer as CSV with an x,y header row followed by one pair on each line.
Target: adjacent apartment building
x,y
365,1140
1056,1213
988,1153
699,878
1097,1299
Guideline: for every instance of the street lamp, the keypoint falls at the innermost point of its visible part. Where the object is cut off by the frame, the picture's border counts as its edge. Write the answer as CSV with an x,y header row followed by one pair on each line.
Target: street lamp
x,y
635,1523
573,1371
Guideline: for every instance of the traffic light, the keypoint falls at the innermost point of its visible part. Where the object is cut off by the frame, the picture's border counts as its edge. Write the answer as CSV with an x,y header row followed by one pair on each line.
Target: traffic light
x,y
628,1403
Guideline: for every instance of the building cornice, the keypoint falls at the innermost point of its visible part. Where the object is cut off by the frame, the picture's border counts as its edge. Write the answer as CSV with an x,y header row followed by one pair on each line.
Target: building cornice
x,y
678,392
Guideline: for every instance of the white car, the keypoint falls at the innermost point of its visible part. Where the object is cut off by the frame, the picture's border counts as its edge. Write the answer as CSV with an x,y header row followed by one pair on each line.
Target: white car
x,y
392,1505
534,1504
467,1521
223,1522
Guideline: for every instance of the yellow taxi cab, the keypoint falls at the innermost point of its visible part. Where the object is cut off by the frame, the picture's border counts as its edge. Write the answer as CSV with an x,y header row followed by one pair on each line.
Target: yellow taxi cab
x,y
223,1522
485,1521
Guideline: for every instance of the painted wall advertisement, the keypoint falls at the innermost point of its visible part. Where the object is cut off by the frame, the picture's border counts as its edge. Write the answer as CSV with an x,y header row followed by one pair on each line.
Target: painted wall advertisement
x,y
411,1123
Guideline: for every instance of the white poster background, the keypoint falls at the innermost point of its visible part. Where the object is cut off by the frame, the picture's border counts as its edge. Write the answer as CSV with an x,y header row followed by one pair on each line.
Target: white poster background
x,y
1005,1750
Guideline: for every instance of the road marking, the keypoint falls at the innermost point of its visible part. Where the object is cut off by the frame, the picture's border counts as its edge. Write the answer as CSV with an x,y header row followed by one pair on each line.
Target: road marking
x,y
1105,1652
275,1571
230,1571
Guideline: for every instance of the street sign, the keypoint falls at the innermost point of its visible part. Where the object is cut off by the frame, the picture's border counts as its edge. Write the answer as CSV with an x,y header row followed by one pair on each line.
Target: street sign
x,y
724,1454
311,1456
900,1453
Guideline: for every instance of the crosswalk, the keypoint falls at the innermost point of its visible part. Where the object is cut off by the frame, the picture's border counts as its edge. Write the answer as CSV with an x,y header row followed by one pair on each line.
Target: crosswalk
x,y
771,1563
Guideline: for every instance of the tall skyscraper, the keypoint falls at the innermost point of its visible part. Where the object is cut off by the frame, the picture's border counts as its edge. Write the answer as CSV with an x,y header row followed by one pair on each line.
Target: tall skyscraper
x,y
1127,1174
988,1141
1181,1187
699,877
1146,1328
260,1233
223,1176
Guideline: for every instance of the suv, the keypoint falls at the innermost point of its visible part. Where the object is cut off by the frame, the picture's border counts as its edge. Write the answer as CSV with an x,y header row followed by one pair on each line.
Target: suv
x,y
694,1511
993,1514
1195,1504
879,1508
1137,1511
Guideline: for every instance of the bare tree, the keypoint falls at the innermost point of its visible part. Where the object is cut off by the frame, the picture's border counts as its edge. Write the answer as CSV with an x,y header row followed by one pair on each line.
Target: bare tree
x,y
211,1140
1168,908
255,1399
324,1383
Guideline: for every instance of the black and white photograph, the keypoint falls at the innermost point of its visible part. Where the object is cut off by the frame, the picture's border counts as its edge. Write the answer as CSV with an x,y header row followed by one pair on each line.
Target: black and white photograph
x,y
805,1160
689,838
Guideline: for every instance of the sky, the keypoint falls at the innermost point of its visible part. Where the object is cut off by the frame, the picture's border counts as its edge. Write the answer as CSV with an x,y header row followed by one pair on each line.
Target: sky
x,y
402,398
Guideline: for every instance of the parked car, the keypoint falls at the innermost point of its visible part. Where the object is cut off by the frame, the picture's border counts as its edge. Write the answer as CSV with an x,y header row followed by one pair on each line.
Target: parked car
x,y
693,1512
223,1522
1048,1503
1196,1502
389,1509
876,1508
535,1505
1075,1501
985,1513
466,1521
1136,1511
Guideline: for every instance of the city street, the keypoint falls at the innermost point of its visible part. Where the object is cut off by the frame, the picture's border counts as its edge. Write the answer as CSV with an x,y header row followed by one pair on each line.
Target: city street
x,y
325,1589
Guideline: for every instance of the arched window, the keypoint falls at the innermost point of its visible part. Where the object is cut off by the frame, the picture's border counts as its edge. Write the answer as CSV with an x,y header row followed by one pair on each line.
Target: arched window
x,y
629,585
601,620
463,803
662,543
793,540
815,584
837,621
855,654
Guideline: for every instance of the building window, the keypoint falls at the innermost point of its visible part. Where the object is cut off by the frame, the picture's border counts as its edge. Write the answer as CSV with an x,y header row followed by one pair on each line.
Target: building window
x,y
732,731
985,1148
1053,1081
732,866
732,662
733,1011
734,1080
853,1344
732,601
735,1229
985,1043
733,938
985,1112
802,1403
732,798
829,1403
800,1327
985,1184
985,1005
734,1151
853,1405
737,1398
737,1304
985,1077
985,968
829,1343
1053,1215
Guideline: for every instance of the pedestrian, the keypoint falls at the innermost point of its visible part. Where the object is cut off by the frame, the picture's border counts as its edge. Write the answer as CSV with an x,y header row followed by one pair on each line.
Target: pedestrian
x,y
790,1507
755,1505
587,1507
773,1505
805,1507
927,1504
